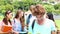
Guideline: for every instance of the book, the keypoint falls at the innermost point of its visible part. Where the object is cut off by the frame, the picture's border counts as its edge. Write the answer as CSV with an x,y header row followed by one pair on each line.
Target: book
x,y
6,28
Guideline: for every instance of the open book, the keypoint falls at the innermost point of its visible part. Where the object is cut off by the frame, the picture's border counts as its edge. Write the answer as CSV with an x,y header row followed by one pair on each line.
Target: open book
x,y
6,28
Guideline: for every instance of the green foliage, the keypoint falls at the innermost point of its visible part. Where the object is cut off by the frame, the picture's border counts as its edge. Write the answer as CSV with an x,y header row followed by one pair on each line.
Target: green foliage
x,y
16,4
5,5
25,4
49,8
3,8
57,6
57,12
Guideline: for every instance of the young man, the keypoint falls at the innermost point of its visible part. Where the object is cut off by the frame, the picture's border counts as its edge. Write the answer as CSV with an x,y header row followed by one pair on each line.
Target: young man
x,y
42,25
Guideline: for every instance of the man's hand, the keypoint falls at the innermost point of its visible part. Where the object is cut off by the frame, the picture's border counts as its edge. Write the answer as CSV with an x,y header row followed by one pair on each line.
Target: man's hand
x,y
54,32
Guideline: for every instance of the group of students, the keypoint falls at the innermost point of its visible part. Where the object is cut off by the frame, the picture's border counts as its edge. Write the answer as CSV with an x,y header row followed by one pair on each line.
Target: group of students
x,y
17,23
36,22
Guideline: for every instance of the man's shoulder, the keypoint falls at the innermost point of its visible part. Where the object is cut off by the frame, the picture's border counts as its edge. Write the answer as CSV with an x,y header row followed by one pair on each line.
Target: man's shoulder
x,y
49,21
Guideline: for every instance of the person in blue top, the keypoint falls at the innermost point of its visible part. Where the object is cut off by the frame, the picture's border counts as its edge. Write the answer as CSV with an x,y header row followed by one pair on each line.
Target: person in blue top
x,y
18,22
42,25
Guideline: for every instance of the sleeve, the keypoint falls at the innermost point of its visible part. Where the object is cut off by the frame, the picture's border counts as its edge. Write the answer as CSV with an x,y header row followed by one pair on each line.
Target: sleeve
x,y
53,27
13,25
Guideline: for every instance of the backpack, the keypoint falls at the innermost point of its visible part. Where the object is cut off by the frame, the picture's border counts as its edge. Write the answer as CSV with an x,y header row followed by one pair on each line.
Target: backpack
x,y
28,19
33,24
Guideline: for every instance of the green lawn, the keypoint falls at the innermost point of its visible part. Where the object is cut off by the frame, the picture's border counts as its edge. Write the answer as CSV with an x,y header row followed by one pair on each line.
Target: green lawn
x,y
58,23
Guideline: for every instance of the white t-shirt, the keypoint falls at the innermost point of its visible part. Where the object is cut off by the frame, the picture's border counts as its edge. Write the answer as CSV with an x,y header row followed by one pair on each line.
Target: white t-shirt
x,y
46,28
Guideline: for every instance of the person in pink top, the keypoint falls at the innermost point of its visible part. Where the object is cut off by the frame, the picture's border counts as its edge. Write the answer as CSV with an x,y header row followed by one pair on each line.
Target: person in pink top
x,y
6,21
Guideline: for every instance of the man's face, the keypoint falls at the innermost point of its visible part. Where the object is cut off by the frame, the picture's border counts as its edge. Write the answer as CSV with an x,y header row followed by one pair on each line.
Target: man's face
x,y
32,8
40,16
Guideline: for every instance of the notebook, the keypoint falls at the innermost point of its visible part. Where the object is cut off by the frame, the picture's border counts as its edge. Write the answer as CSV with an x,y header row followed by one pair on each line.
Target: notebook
x,y
6,28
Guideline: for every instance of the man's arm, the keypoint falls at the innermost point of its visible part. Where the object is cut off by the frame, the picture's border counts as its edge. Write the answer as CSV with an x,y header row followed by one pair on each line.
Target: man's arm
x,y
53,28
53,32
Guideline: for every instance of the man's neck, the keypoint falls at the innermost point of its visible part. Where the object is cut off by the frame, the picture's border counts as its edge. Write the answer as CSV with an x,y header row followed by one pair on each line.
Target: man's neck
x,y
40,22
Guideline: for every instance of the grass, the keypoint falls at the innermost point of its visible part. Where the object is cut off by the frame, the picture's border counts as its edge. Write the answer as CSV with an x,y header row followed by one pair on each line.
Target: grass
x,y
58,23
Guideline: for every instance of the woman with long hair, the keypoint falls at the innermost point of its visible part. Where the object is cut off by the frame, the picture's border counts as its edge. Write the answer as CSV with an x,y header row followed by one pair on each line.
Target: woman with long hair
x,y
6,21
18,22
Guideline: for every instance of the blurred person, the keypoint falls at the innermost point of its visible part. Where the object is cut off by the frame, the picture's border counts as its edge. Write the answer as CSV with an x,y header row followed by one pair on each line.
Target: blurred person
x,y
50,16
32,10
6,22
31,17
18,22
